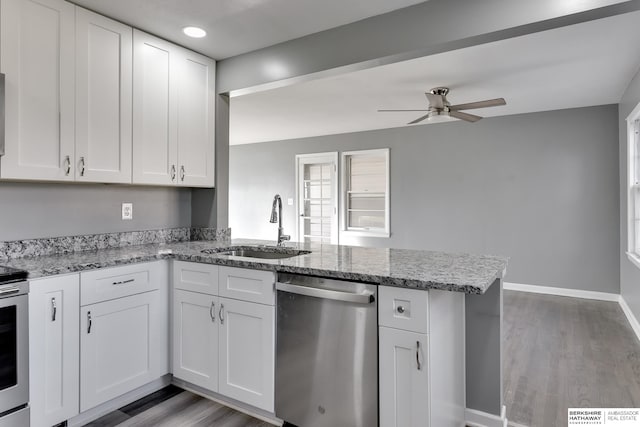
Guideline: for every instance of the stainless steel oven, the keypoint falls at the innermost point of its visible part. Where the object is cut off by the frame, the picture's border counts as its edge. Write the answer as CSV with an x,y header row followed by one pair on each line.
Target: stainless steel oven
x,y
14,348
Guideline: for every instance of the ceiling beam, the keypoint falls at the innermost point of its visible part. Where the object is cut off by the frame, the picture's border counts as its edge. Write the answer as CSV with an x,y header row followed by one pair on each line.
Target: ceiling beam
x,y
424,29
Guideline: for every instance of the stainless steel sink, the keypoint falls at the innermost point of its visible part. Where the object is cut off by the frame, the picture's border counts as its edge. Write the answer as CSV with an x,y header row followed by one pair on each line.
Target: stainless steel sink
x,y
258,252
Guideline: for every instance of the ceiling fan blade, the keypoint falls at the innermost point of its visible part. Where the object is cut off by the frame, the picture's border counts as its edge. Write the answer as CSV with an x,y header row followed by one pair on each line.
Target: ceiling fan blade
x,y
478,104
387,111
464,116
435,101
419,119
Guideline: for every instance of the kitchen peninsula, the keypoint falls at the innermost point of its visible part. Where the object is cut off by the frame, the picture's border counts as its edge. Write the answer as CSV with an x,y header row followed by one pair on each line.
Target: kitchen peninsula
x,y
476,277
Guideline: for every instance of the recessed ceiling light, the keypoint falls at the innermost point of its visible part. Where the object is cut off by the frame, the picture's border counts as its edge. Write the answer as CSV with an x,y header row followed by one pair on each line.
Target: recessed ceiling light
x,y
194,32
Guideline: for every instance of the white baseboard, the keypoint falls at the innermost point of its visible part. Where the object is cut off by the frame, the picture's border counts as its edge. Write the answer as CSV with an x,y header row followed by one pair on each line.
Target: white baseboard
x,y
565,292
475,418
630,317
110,406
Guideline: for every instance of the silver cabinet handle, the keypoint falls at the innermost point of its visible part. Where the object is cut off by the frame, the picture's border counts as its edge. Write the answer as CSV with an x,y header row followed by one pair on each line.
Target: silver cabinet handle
x,y
365,297
67,165
212,312
400,309
122,282
182,173
54,309
173,172
81,166
220,314
418,355
88,322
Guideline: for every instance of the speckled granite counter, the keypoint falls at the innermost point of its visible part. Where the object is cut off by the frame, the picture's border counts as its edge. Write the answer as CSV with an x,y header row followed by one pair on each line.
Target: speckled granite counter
x,y
390,267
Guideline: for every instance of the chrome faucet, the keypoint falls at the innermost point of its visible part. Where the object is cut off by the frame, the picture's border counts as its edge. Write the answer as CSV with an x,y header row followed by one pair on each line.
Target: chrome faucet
x,y
277,217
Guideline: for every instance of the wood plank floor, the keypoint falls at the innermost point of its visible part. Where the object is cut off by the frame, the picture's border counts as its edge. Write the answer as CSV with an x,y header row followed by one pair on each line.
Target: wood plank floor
x,y
565,352
173,407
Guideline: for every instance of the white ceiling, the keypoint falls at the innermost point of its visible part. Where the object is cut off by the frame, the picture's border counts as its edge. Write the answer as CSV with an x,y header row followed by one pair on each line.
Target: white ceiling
x,y
239,26
575,66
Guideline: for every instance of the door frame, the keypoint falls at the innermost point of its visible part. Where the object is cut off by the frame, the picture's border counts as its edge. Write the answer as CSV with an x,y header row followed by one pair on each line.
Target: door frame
x,y
325,157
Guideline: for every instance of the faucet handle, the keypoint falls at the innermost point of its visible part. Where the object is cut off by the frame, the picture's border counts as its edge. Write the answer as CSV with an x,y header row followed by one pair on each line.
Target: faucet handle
x,y
285,237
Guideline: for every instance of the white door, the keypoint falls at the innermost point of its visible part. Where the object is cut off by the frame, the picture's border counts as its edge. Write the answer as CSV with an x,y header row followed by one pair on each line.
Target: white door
x,y
121,346
247,352
196,115
404,378
37,40
155,149
195,338
317,190
103,99
54,359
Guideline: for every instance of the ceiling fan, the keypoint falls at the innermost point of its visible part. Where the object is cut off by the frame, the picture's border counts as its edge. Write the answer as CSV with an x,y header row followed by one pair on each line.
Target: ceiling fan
x,y
440,108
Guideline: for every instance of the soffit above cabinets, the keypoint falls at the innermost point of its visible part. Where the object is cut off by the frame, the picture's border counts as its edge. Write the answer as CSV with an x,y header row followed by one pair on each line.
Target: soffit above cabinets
x,y
574,66
239,26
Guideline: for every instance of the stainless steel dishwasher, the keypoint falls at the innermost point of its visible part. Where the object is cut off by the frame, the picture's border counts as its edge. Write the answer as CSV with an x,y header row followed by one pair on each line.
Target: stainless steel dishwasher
x,y
326,352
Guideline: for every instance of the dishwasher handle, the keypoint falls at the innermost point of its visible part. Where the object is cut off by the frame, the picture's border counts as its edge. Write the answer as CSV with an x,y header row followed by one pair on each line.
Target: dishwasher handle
x,y
366,297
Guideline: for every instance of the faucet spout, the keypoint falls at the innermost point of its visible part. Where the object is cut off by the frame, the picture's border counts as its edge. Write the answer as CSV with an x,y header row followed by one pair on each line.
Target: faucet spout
x,y
276,216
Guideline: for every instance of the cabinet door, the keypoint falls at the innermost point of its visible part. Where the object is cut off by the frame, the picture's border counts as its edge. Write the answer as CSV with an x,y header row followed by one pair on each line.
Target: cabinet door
x,y
195,338
247,352
37,56
196,116
54,365
121,346
103,99
154,111
404,379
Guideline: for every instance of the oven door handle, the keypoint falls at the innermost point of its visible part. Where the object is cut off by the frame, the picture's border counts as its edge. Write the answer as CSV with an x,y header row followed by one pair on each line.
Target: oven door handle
x,y
9,291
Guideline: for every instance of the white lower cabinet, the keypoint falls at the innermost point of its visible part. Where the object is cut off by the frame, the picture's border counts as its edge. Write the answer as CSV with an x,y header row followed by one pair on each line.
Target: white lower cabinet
x,y
421,358
247,352
225,345
54,307
195,342
120,347
404,378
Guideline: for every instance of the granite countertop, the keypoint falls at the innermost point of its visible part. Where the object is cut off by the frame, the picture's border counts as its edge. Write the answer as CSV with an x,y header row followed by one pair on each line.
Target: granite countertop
x,y
389,267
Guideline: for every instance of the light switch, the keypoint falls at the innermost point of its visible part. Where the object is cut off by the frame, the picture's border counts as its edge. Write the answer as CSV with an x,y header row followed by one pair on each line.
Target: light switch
x,y
127,211
290,202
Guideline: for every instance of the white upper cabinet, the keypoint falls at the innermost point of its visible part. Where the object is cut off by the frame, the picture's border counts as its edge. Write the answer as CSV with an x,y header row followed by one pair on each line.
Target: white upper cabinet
x,y
154,111
173,114
37,57
103,99
196,114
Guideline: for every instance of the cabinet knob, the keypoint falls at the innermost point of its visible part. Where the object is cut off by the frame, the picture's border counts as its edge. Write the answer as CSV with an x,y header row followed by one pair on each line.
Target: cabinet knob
x,y
182,172
400,309
88,322
173,172
54,309
81,166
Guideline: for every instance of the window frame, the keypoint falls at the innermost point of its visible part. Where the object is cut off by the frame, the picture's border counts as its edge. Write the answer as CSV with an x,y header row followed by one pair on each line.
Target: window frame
x,y
633,182
344,205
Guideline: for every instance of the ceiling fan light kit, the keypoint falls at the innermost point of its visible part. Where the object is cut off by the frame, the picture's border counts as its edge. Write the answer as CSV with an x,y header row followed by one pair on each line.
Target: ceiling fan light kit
x,y
441,110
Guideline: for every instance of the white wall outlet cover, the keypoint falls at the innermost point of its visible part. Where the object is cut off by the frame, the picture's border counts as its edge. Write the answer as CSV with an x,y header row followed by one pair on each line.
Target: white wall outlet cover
x,y
127,211
290,202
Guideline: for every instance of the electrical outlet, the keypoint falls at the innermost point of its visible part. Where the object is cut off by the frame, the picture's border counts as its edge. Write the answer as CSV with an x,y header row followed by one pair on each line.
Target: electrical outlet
x,y
127,211
290,202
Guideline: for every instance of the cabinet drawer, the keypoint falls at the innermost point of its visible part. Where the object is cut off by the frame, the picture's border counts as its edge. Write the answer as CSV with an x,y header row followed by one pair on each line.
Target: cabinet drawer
x,y
110,283
247,285
402,308
194,277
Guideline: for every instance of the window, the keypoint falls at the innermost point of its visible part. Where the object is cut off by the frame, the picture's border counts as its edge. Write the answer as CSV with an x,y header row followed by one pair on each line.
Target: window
x,y
633,187
365,198
317,197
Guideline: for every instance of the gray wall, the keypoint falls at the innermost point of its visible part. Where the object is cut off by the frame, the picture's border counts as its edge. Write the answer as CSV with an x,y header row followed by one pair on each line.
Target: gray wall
x,y
541,188
629,273
32,210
